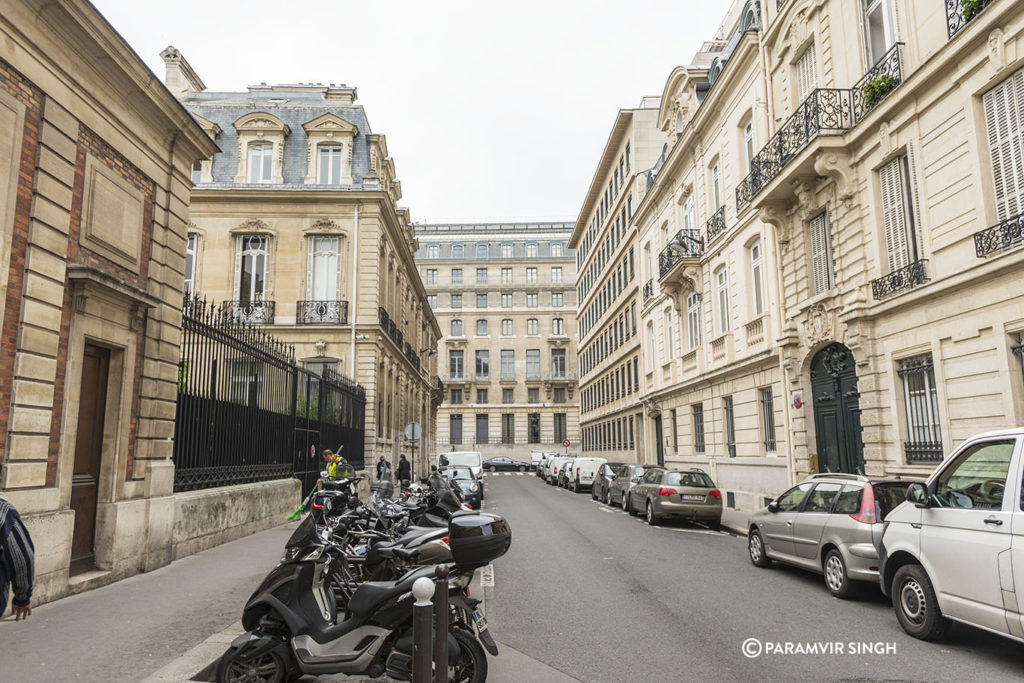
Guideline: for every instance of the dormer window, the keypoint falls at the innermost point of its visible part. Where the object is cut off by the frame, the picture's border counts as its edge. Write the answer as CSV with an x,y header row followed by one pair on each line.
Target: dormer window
x,y
261,139
261,155
329,153
330,164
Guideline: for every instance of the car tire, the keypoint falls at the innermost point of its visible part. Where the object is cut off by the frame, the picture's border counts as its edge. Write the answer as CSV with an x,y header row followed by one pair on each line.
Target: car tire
x,y
608,497
522,469
917,608
593,493
715,525
756,550
629,507
492,468
837,579
652,519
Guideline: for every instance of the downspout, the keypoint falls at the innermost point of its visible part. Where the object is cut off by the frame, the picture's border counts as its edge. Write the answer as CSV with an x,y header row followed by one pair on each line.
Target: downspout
x,y
779,311
355,297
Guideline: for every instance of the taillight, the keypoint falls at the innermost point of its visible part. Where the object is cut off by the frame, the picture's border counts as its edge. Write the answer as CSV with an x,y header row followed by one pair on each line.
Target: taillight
x,y
445,540
665,492
868,513
715,493
577,471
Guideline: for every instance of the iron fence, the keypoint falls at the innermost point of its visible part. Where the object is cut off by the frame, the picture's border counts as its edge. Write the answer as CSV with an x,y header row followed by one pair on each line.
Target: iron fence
x,y
716,224
648,290
260,312
880,80
1003,235
321,312
908,277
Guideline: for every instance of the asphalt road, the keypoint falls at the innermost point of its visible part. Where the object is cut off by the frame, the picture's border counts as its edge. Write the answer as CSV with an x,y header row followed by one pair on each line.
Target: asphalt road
x,y
602,596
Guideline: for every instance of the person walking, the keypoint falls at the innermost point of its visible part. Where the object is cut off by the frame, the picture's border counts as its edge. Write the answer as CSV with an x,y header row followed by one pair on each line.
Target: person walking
x,y
17,562
404,469
383,469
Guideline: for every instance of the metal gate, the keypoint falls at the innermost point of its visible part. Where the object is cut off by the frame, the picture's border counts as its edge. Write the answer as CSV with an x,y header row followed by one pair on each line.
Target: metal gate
x,y
329,413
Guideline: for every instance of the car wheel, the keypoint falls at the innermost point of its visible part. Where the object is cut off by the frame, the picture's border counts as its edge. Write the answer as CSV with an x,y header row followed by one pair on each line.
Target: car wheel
x,y
755,546
917,608
837,580
522,469
715,525
608,497
629,507
652,518
492,468
593,493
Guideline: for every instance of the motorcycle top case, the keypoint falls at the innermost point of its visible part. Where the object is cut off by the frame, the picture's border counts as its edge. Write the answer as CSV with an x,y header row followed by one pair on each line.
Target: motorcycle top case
x,y
478,539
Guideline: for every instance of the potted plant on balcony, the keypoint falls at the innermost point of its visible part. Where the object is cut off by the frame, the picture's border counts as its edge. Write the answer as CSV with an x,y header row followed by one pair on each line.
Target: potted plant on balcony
x,y
970,8
877,88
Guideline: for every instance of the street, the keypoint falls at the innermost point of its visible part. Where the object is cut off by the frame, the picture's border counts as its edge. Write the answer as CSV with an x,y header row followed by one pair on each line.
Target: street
x,y
602,596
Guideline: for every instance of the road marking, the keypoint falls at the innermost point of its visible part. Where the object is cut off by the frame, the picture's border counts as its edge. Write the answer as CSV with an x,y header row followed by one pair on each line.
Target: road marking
x,y
519,474
487,576
508,474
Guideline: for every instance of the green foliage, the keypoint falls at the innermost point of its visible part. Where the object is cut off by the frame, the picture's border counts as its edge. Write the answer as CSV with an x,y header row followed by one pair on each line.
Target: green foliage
x,y
876,89
970,8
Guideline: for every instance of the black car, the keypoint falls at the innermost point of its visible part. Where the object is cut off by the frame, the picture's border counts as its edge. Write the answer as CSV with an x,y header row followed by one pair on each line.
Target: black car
x,y
505,464
603,479
470,487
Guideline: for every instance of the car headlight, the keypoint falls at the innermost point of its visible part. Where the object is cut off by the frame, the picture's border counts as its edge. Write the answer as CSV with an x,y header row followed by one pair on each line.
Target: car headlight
x,y
473,487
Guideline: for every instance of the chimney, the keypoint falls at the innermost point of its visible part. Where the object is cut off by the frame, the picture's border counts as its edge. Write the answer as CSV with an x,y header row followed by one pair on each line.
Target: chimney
x,y
180,79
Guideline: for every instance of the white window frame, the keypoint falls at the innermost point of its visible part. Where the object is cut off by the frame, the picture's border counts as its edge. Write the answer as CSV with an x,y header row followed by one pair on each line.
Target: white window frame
x,y
722,291
323,254
507,327
693,324
898,218
1003,107
874,53
507,250
532,327
456,327
329,164
748,143
252,247
556,274
716,185
756,276
191,263
260,166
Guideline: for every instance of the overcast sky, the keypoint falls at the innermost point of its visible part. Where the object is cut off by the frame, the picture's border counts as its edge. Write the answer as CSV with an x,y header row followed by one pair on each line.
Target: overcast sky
x,y
491,110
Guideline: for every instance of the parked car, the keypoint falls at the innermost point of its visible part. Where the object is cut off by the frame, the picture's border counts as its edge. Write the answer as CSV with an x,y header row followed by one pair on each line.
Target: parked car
x,y
553,466
603,479
688,494
472,488
830,524
542,466
565,471
471,459
625,479
505,464
583,472
952,551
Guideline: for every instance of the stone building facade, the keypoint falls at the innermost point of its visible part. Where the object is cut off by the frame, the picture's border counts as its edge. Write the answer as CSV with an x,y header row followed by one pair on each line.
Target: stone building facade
x,y
94,189
296,226
503,295
608,288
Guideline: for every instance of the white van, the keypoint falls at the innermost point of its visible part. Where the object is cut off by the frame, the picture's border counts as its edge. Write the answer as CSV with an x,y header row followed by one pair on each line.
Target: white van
x,y
535,459
584,471
554,466
474,460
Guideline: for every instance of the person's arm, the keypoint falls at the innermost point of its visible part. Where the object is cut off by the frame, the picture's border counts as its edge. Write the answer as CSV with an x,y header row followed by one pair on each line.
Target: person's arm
x,y
19,558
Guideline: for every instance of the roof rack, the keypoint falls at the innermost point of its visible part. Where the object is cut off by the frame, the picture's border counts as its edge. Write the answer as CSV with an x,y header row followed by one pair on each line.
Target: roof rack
x,y
838,475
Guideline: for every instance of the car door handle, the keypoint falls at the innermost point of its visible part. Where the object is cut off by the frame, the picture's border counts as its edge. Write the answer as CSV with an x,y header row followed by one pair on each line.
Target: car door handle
x,y
789,523
994,521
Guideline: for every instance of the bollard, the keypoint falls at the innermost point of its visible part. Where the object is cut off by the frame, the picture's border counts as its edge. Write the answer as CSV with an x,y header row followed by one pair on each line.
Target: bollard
x,y
421,590
441,624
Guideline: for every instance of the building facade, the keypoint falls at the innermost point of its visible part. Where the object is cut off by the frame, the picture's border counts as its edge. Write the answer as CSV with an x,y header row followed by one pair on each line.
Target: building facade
x,y
608,288
503,296
714,396
296,226
94,185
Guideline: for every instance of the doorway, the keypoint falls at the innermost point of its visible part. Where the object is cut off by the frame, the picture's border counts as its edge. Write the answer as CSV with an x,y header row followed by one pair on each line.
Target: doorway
x,y
658,440
837,411
88,453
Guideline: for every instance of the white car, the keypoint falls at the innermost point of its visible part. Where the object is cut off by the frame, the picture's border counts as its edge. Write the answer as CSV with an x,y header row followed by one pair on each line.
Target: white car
x,y
955,549
474,460
584,471
554,467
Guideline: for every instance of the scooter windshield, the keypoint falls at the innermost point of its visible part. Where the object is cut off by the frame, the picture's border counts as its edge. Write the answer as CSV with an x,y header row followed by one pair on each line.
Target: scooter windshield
x,y
304,535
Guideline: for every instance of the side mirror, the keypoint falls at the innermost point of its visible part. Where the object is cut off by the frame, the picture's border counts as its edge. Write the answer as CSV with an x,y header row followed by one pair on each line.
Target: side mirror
x,y
773,506
917,494
635,480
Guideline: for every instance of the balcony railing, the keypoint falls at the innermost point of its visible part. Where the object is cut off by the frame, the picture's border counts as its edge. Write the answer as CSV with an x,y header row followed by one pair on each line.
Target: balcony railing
x,y
900,280
412,356
321,312
686,244
648,290
715,225
390,327
960,12
880,80
1003,235
256,312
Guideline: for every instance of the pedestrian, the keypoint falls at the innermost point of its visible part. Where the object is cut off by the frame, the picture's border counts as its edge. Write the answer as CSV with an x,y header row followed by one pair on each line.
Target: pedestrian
x,y
17,562
404,469
383,469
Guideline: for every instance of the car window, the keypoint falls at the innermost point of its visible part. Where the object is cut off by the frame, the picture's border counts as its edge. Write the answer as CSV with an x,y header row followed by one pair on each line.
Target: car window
x,y
888,496
791,499
689,479
977,477
652,477
821,499
848,501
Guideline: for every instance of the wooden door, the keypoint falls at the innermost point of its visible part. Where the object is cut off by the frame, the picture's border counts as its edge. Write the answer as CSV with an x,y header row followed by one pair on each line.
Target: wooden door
x,y
837,411
88,453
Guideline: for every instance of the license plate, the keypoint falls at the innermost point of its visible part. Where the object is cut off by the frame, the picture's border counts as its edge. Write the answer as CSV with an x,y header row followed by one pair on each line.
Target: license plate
x,y
691,496
480,619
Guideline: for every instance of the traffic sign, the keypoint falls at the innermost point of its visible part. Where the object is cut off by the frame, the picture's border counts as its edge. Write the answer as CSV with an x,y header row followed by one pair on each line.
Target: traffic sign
x,y
312,451
413,431
565,442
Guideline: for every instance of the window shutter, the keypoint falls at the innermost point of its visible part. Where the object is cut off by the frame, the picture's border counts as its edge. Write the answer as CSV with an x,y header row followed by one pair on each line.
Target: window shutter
x,y
1004,121
819,254
911,182
806,73
893,214
310,255
238,265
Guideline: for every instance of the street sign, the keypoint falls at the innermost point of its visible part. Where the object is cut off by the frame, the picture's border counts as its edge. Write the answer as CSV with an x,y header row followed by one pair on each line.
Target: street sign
x,y
413,431
565,442
312,451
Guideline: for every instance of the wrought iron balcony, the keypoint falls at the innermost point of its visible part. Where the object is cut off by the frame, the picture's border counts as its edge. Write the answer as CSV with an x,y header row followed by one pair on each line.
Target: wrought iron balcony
x,y
744,193
960,12
390,327
900,280
686,244
321,312
999,237
648,290
412,356
880,80
715,225
257,312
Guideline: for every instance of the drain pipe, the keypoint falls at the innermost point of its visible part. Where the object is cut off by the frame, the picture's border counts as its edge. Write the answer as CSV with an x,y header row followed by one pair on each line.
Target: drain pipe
x,y
355,298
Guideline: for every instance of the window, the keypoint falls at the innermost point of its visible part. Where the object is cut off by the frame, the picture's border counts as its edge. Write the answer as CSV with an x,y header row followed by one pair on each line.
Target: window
x,y
560,432
508,428
532,364
456,276
506,276
508,395
481,396
483,250
481,327
693,319
822,497
456,327
675,432
897,218
716,185
533,426
508,364
481,428
556,299
191,264
456,301
197,171
649,341
483,364
432,301
806,74
533,395
432,276
748,144
924,439
456,396
433,250
260,162
558,395
506,301
531,250
978,477
556,274
532,327
252,268
245,382
730,426
481,276
768,420
1005,130
822,266
322,281
481,301
506,327
556,249
723,300
330,164
670,339
557,326
689,215
506,251
455,429
558,363
458,251
791,500
531,275
531,301
698,427
755,277
879,34
455,367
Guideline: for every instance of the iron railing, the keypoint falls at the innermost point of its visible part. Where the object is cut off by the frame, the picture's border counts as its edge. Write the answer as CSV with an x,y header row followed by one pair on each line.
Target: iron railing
x,y
255,312
1003,235
648,290
685,244
960,12
715,225
321,312
880,80
412,356
905,278
390,327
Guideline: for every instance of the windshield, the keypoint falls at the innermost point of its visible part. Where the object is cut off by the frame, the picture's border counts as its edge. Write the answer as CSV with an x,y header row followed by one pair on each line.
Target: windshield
x,y
459,473
888,496
463,459
688,479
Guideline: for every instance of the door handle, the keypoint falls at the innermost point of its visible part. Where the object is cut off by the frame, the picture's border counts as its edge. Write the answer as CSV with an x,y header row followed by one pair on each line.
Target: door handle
x,y
789,523
994,521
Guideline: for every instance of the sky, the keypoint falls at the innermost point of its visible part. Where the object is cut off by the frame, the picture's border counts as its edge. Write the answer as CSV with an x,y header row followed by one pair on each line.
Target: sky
x,y
491,110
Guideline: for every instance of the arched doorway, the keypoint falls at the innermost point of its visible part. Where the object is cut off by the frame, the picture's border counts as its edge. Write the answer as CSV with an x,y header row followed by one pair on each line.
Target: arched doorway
x,y
837,411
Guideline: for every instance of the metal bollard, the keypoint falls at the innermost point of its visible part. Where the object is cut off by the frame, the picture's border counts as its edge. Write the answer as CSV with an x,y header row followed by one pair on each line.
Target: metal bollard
x,y
422,589
441,624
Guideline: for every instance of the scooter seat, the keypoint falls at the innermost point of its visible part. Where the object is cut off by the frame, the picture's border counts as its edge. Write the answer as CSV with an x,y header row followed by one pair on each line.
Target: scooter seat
x,y
415,532
372,593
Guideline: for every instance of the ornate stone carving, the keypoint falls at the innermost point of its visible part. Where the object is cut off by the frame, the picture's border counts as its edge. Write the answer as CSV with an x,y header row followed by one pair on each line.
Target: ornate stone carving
x,y
996,52
884,138
819,325
834,359
775,215
652,406
254,225
321,347
324,223
836,165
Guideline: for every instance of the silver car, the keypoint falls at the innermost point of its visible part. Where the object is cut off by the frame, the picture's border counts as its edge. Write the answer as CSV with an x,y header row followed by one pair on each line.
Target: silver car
x,y
686,494
625,479
830,524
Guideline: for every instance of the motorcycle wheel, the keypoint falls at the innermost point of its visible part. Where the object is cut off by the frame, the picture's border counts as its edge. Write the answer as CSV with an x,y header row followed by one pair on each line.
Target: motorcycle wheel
x,y
270,668
472,664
